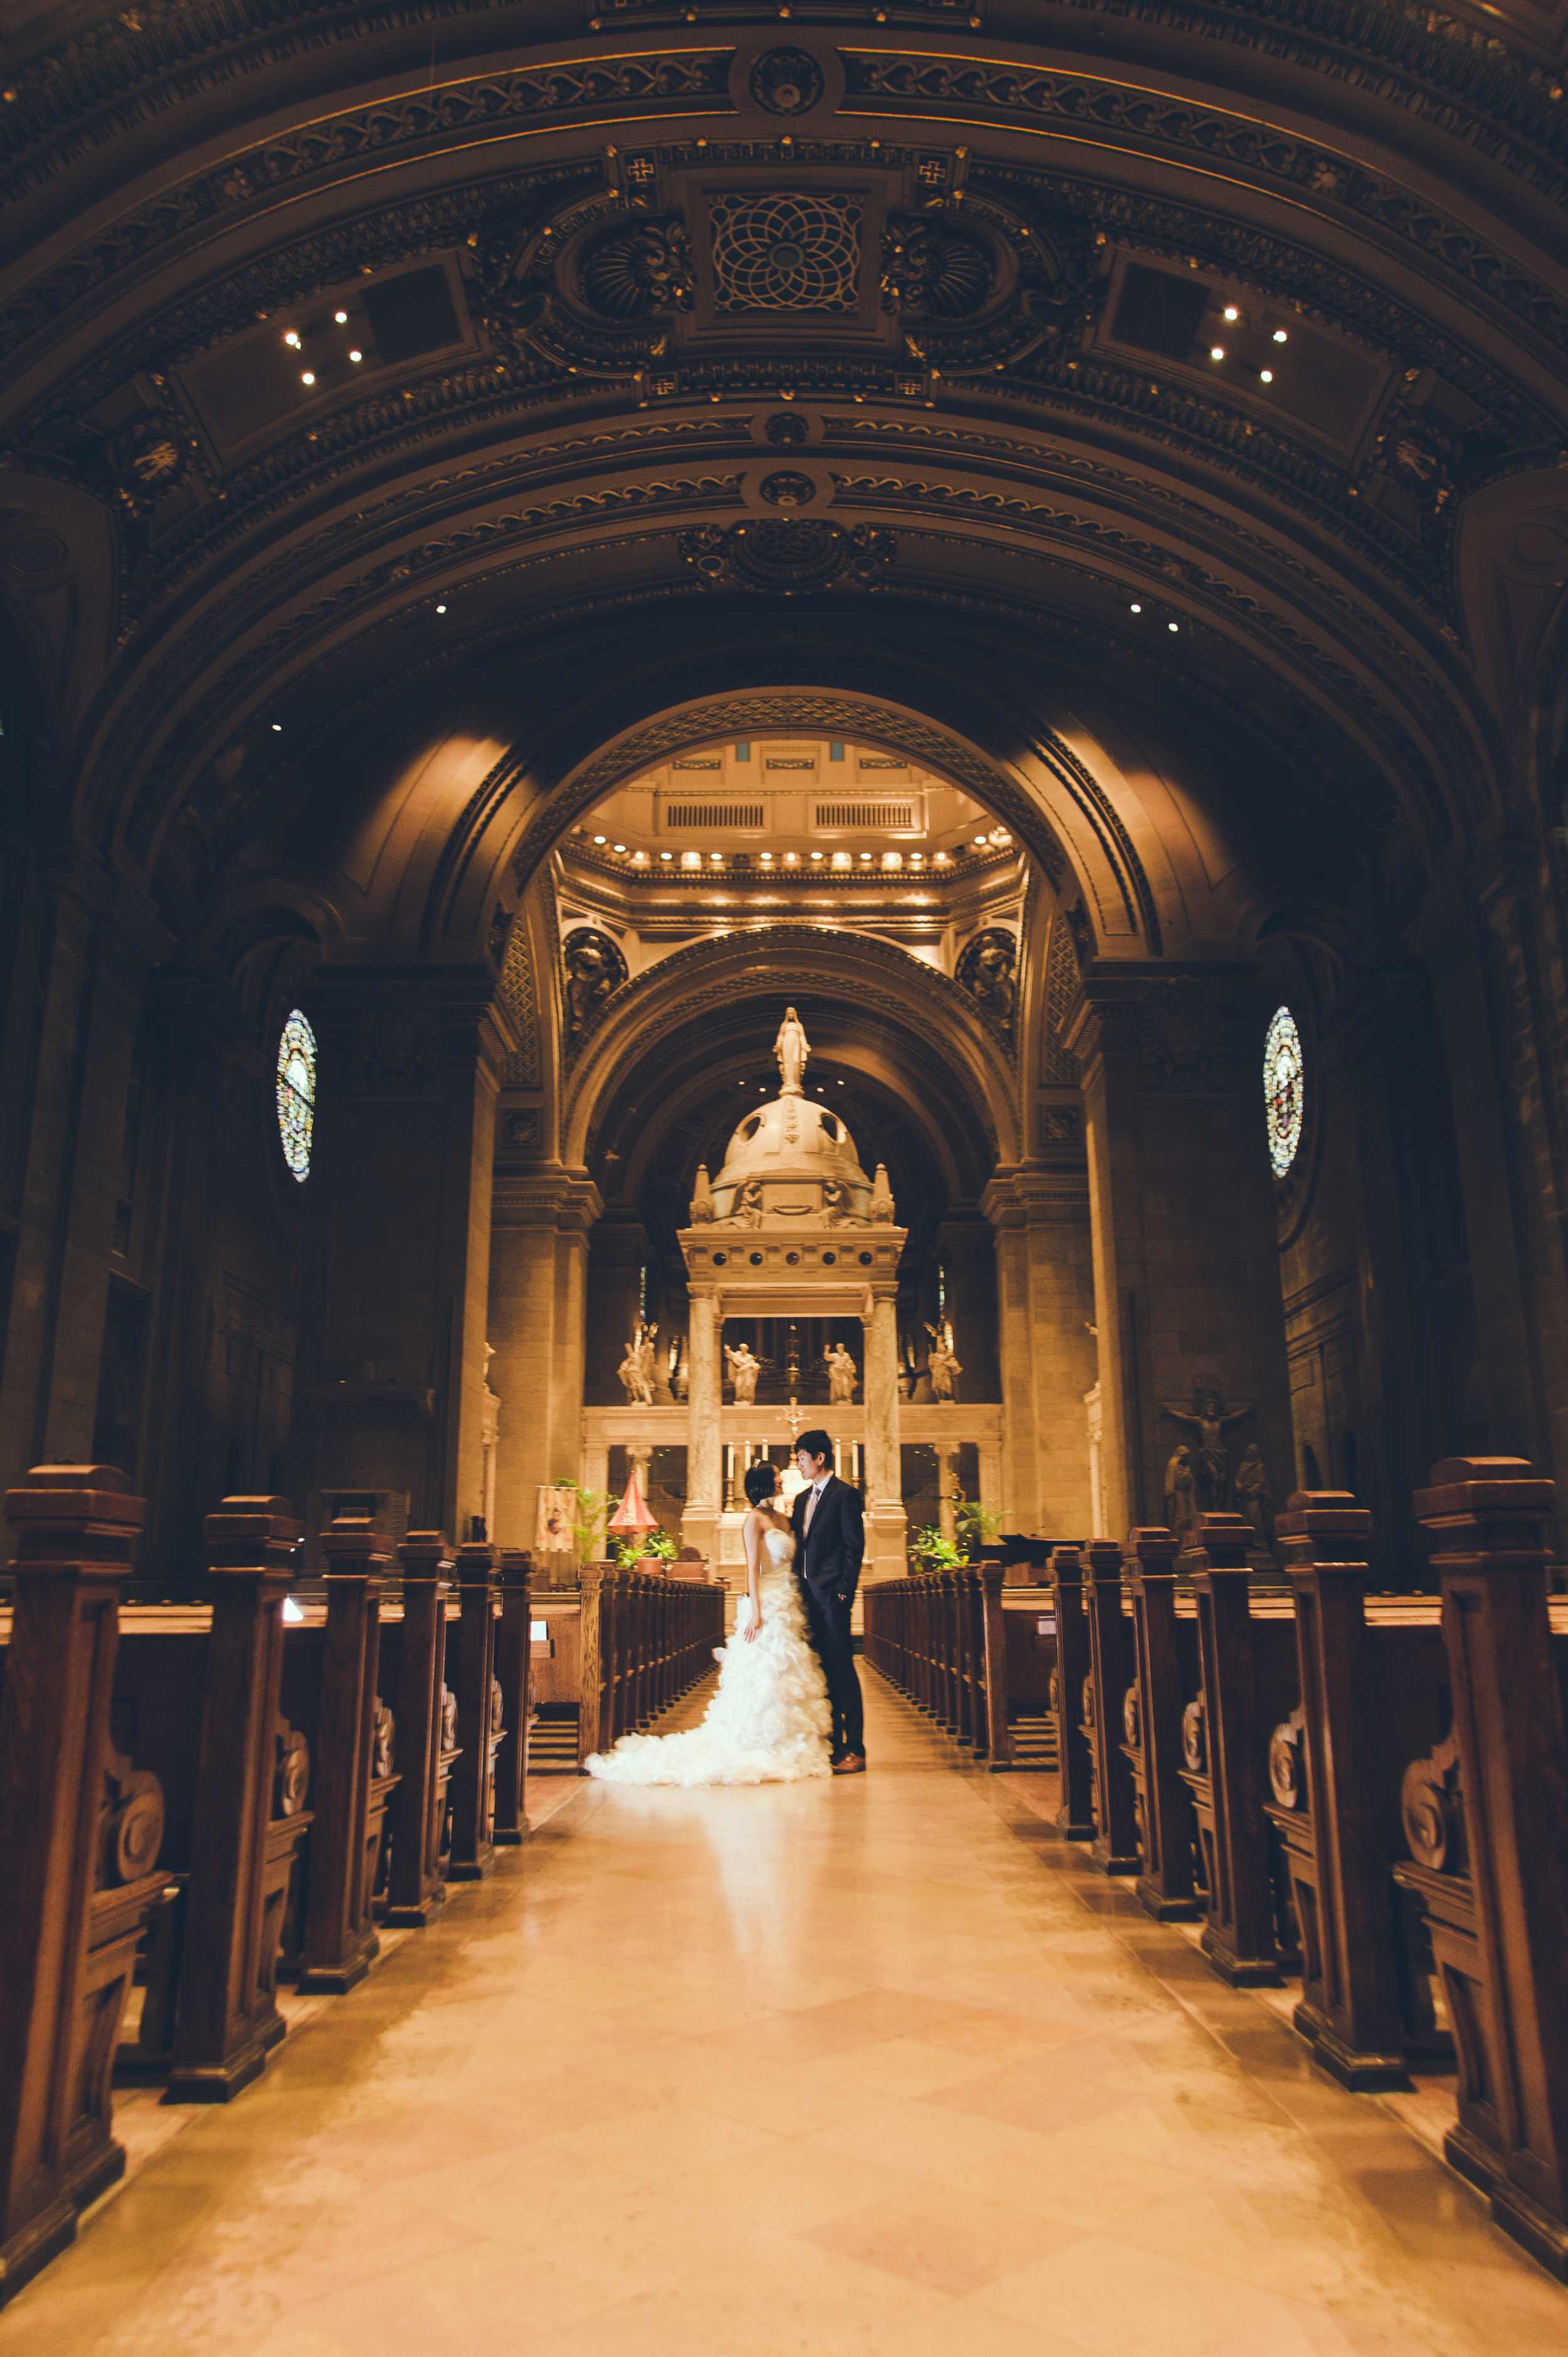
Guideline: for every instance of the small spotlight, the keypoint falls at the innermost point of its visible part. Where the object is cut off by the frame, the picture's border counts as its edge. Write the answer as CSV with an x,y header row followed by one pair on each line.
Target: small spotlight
x,y
1281,336
599,838
291,340
342,317
1135,609
717,857
667,854
355,356
816,854
441,609
1217,351
1232,312
917,860
1171,626
617,846
768,859
1266,376
277,727
308,376
791,859
980,842
865,858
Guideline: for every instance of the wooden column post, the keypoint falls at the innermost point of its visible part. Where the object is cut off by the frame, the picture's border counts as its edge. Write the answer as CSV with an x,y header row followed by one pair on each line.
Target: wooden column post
x,y
417,1891
1164,1888
229,2019
1114,1849
68,1936
514,1672
1075,1818
1238,1936
1511,2137
340,1937
1349,2007
996,1730
472,1779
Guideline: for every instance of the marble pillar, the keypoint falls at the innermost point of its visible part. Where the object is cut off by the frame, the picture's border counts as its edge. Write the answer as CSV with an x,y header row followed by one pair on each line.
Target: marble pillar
x,y
887,1523
1040,1213
704,1451
538,1263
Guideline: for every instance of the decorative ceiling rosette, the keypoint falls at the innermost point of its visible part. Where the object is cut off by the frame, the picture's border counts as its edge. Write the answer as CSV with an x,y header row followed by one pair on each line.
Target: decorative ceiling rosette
x,y
646,269
982,287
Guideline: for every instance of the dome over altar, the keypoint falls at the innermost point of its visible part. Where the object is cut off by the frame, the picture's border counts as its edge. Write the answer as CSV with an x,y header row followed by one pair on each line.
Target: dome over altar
x,y
793,1147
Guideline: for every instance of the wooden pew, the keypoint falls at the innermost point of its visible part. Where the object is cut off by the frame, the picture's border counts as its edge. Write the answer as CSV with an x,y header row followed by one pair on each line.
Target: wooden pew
x,y
80,1830
1113,1791
353,1737
1248,1684
1075,1816
1370,1689
1165,1671
514,1677
415,1639
247,1823
479,1730
941,1639
627,1654
1486,1812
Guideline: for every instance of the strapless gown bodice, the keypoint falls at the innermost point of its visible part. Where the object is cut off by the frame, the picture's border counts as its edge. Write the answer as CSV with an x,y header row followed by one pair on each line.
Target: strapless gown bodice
x,y
768,1722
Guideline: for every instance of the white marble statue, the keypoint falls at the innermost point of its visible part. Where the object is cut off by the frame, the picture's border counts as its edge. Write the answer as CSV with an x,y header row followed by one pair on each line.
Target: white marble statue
x,y
842,1375
637,1369
941,1361
745,1370
791,1047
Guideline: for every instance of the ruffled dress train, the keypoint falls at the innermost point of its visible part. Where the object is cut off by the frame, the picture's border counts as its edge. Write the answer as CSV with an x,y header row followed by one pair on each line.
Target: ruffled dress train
x,y
769,1721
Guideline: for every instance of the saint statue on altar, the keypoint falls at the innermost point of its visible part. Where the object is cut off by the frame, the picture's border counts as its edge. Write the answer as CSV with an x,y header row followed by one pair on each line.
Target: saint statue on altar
x,y
791,1047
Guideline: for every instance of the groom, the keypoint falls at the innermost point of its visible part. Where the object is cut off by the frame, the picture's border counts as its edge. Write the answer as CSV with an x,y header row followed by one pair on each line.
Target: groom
x,y
830,1540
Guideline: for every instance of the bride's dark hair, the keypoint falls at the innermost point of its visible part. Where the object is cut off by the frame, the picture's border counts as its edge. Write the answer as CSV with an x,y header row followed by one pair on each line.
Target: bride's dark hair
x,y
761,1479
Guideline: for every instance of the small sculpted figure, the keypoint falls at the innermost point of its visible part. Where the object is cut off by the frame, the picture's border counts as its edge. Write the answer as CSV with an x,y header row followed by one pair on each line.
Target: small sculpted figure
x,y
941,1361
1181,1490
745,1369
791,1047
843,1375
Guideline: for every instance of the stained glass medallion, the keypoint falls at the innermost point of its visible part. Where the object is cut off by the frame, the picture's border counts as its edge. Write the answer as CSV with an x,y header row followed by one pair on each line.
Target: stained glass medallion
x,y
1284,1078
296,1092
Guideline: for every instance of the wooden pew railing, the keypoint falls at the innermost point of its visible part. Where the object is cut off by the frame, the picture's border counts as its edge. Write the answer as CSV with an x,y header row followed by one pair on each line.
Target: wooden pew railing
x,y
939,1637
643,1640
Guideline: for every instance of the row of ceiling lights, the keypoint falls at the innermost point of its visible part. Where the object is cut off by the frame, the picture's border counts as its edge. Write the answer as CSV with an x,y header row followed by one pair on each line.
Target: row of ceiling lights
x,y
890,859
1217,351
308,376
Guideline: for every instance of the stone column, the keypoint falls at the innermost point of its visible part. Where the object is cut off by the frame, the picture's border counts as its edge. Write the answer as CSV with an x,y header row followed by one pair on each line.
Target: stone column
x,y
886,1523
391,1372
618,1250
966,1246
542,1213
1186,1284
704,1452
1046,1305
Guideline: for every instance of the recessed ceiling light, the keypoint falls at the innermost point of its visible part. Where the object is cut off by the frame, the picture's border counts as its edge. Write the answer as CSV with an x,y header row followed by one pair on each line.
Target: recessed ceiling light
x,y
277,727
342,317
1217,351
291,340
1135,609
1171,626
667,854
1232,312
1281,336
355,356
816,854
441,609
768,859
865,857
1266,376
617,846
599,838
980,842
308,376
717,858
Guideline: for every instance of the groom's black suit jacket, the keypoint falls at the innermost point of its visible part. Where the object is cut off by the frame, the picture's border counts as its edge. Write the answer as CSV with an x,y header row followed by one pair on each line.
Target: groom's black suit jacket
x,y
828,1556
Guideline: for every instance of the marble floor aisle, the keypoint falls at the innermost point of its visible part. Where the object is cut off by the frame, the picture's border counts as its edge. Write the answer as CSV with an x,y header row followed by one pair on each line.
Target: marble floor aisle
x,y
830,2068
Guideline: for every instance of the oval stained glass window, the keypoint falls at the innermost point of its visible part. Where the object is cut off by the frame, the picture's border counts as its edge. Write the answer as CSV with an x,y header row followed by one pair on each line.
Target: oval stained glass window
x,y
1283,1075
297,1093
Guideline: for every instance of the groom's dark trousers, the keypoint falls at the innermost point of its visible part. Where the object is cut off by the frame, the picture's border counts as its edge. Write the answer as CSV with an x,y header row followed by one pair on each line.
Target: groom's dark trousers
x,y
828,1558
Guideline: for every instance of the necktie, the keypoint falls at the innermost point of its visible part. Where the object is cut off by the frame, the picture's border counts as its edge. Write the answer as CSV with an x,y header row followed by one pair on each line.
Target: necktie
x,y
811,1509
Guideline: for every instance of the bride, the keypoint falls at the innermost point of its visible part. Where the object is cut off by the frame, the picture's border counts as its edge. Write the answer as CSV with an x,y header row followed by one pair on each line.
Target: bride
x,y
768,1722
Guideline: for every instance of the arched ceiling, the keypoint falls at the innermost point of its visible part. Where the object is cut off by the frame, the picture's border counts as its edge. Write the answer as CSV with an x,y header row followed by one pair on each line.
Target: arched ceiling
x,y
868,352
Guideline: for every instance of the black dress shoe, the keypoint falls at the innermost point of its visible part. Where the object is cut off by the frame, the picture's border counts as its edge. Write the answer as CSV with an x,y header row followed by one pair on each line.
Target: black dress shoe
x,y
852,1764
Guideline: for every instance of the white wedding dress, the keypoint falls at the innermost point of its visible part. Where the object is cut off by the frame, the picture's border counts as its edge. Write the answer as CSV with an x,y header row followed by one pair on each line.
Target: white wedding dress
x,y
769,1721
